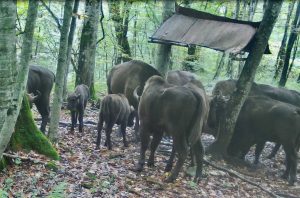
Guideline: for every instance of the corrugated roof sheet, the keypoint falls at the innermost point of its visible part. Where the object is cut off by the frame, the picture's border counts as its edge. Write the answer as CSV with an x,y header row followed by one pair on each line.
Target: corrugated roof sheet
x,y
191,27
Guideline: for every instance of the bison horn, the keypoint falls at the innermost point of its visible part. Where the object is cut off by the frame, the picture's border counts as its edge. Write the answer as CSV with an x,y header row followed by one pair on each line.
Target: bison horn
x,y
135,94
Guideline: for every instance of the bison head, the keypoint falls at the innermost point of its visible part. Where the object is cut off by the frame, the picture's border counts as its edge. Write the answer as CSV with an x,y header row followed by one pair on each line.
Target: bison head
x,y
216,109
33,98
73,101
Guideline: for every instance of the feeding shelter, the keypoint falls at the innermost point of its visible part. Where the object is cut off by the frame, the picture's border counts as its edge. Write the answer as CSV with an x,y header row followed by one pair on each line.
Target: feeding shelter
x,y
189,27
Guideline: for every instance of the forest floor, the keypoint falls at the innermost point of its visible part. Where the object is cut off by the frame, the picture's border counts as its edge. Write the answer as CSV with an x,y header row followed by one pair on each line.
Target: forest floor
x,y
83,171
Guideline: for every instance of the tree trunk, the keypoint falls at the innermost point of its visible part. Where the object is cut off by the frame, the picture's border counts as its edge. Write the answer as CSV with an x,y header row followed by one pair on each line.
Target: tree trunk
x,y
164,51
70,44
27,136
88,43
13,79
220,66
293,57
60,71
8,66
281,52
121,20
229,67
289,48
237,99
188,62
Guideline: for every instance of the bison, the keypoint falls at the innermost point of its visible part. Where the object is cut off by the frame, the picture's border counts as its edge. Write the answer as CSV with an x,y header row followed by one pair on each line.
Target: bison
x,y
263,119
40,83
227,87
125,77
179,111
114,109
77,102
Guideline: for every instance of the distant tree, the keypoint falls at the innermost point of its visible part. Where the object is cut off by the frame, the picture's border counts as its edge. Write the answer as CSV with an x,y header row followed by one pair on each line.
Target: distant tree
x,y
282,50
60,71
292,39
120,16
88,42
232,108
70,45
164,50
187,63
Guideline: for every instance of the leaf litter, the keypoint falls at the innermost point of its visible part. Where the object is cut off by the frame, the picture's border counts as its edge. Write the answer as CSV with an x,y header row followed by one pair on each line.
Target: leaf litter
x,y
83,171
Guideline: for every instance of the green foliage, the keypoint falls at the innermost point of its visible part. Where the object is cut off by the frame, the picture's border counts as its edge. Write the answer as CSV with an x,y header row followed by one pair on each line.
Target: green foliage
x,y
52,166
58,191
28,137
3,163
3,193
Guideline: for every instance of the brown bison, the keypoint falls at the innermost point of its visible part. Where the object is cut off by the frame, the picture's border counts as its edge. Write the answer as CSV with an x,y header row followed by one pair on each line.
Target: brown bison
x,y
179,111
114,109
227,87
40,83
77,102
125,77
177,77
263,119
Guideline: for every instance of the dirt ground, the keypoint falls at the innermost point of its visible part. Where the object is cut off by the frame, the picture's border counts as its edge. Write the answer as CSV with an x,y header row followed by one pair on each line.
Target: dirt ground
x,y
83,171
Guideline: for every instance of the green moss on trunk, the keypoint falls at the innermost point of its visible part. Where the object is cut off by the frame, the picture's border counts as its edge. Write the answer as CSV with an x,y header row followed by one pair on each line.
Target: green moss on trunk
x,y
28,137
92,92
3,163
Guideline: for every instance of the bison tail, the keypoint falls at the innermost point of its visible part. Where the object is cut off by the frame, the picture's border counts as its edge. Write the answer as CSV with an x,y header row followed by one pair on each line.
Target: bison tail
x,y
198,118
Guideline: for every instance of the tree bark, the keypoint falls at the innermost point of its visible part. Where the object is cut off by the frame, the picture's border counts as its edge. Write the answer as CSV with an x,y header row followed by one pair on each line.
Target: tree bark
x,y
60,71
70,45
289,48
121,20
164,51
237,99
88,43
9,108
282,49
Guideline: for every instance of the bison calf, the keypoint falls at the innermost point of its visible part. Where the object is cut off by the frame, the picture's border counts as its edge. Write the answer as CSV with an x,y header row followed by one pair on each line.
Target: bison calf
x,y
114,109
179,111
76,104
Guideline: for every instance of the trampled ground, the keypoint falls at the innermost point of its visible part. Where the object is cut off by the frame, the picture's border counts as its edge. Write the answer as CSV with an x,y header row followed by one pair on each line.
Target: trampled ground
x,y
85,172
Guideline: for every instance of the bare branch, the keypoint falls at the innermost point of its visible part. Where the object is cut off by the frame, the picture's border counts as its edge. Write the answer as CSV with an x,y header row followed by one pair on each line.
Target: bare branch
x,y
52,14
101,22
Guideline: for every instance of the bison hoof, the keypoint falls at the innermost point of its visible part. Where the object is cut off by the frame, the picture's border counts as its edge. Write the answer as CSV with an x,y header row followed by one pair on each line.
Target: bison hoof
x,y
291,182
138,168
97,148
126,144
284,176
150,163
168,168
170,179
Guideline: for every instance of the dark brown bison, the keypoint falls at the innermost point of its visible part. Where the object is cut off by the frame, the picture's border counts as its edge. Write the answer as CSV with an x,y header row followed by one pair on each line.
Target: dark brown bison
x,y
125,77
227,87
179,111
39,86
263,119
77,102
177,77
114,109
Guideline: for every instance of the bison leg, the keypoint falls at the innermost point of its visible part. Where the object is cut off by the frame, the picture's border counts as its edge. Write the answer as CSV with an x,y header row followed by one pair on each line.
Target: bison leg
x,y
80,119
42,106
259,147
99,128
145,136
291,164
170,161
74,120
274,151
123,131
154,144
136,128
198,152
108,132
182,150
